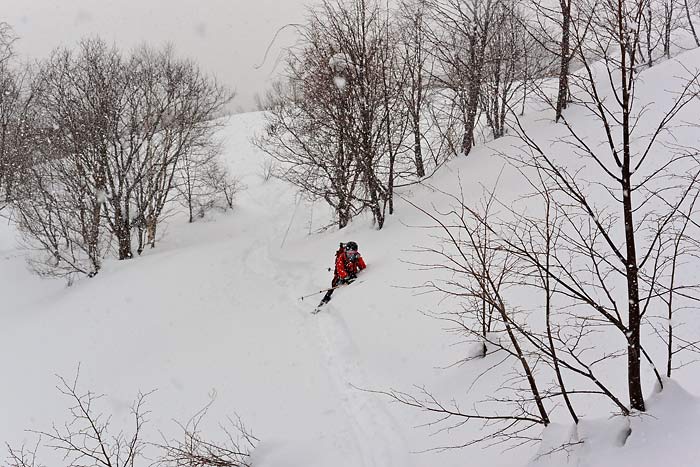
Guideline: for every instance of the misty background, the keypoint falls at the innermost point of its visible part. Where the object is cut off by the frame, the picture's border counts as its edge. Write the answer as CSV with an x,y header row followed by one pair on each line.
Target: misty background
x,y
228,38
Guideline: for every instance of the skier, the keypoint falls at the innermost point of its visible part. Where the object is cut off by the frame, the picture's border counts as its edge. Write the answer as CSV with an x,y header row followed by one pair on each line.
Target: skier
x,y
348,262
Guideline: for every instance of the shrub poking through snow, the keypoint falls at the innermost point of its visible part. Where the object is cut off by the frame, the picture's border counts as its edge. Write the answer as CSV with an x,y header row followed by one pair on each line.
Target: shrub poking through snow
x,y
90,436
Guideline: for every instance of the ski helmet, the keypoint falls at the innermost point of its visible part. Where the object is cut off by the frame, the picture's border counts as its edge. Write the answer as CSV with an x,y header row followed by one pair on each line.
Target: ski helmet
x,y
351,246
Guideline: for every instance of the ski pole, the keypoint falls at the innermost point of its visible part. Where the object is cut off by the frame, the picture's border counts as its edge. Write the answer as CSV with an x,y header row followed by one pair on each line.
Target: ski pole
x,y
330,288
320,291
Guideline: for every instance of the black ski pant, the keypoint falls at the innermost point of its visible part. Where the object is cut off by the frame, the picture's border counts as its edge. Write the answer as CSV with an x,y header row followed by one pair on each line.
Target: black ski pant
x,y
334,283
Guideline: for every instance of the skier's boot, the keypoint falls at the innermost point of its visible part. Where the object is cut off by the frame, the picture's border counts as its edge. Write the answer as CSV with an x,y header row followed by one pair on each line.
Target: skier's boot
x,y
326,298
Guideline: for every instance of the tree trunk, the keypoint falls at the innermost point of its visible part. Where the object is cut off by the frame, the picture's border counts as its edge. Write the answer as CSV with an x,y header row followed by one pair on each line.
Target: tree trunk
x,y
634,378
565,51
633,333
124,240
93,240
669,340
151,228
526,366
548,311
343,212
474,91
690,23
141,235
417,148
650,58
668,10
122,230
470,124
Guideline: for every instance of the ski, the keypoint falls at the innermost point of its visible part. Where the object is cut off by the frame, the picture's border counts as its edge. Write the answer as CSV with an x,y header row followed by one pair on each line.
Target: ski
x,y
332,289
319,306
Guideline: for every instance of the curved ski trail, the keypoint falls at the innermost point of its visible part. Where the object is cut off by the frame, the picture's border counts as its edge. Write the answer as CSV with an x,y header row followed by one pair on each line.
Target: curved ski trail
x,y
378,437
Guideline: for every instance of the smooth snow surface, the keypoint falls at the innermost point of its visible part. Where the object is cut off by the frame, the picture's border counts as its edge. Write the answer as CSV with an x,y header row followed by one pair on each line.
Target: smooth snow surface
x,y
215,310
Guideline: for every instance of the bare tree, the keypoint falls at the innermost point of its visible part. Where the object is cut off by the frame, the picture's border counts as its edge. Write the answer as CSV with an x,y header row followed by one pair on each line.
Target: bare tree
x,y
596,245
306,132
7,40
23,456
89,438
687,7
488,260
225,185
514,61
202,182
670,23
57,221
658,23
630,171
338,126
186,110
196,450
360,32
565,56
17,114
60,205
111,133
416,66
673,286
461,34
552,27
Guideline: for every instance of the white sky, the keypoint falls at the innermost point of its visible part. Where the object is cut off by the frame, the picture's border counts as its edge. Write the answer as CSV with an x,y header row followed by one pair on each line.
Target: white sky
x,y
227,37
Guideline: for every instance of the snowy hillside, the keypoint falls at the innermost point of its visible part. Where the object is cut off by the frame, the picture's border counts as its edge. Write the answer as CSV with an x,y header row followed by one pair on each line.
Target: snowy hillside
x,y
215,309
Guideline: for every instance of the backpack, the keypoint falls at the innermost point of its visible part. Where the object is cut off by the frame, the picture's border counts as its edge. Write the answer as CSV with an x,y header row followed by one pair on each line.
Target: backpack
x,y
341,251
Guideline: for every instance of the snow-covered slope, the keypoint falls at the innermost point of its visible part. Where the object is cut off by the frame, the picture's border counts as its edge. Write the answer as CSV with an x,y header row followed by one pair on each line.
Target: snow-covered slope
x,y
215,309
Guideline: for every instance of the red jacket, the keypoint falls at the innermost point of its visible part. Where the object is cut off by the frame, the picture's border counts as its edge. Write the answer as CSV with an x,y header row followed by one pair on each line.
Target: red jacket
x,y
344,267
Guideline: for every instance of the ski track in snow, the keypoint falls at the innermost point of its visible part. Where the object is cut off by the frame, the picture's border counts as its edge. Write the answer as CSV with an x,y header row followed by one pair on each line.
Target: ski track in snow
x,y
378,438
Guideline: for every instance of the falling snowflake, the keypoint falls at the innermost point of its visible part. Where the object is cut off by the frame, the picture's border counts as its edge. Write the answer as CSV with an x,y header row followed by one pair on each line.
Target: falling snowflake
x,y
101,196
340,82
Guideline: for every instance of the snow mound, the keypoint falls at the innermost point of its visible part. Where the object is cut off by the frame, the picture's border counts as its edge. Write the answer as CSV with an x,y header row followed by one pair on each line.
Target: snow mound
x,y
666,434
